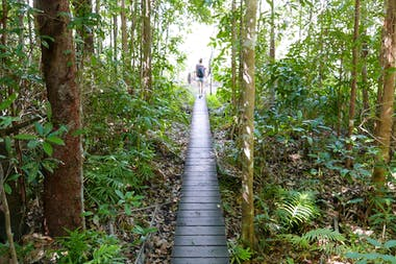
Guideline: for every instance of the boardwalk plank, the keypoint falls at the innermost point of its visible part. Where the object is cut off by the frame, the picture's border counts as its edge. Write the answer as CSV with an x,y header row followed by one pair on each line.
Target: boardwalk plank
x,y
200,221
199,206
200,261
205,193
199,240
200,199
200,230
197,213
199,251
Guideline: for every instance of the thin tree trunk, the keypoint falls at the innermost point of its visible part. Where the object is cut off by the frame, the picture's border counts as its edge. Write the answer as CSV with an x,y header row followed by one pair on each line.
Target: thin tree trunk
x,y
99,40
133,40
82,9
7,216
63,189
272,52
146,79
248,82
352,103
339,96
384,131
124,32
115,36
234,43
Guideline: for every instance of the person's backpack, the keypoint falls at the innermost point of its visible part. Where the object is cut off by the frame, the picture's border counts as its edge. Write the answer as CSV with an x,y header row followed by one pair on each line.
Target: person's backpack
x,y
200,71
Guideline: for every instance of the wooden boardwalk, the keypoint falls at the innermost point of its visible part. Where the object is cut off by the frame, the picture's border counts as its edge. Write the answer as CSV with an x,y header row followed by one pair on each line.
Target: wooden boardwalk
x,y
200,231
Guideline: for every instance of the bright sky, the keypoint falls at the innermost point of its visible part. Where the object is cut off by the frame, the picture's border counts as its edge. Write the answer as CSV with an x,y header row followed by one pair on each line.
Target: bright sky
x,y
196,46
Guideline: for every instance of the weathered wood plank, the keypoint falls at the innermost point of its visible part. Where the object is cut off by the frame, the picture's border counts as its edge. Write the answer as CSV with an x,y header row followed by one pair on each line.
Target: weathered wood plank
x,y
198,213
200,240
201,221
199,206
200,251
201,193
199,230
200,261
200,199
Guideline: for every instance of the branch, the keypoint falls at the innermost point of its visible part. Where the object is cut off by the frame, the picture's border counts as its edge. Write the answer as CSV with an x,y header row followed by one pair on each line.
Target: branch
x,y
3,199
18,126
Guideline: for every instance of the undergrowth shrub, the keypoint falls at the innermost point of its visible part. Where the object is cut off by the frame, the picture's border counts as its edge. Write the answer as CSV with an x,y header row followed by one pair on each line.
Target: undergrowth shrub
x,y
295,209
370,250
88,247
320,240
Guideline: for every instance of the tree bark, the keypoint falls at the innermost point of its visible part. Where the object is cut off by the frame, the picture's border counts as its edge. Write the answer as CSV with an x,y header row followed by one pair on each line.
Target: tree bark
x,y
384,131
63,189
234,48
83,9
124,33
248,85
272,52
352,102
146,78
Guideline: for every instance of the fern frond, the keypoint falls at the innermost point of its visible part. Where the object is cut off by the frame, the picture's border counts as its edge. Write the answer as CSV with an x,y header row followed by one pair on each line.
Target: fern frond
x,y
296,208
324,234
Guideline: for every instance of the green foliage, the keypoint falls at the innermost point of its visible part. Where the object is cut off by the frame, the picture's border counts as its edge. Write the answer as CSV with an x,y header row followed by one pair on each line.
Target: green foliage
x,y
323,240
296,209
107,175
89,247
384,218
375,252
238,254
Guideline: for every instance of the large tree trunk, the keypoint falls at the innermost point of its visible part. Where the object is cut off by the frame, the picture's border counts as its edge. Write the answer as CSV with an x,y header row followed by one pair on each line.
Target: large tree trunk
x,y
248,86
63,189
352,103
384,130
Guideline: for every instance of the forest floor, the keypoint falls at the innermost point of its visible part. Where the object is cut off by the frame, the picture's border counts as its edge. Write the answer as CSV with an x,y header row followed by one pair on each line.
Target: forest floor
x,y
343,204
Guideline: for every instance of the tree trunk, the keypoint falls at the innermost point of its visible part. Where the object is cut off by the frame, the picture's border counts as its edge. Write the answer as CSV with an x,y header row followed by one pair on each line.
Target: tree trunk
x,y
234,43
115,36
146,79
63,189
272,52
248,85
352,102
82,10
99,46
124,33
384,131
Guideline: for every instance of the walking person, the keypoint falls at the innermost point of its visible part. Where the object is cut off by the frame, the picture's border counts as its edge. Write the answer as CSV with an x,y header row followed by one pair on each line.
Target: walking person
x,y
200,75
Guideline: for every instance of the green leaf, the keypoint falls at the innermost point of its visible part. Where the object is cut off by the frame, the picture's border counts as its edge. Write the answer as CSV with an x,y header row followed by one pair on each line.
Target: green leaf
x,y
39,128
55,140
353,255
49,110
48,128
13,177
48,148
127,209
87,213
390,244
6,103
25,137
7,188
374,242
7,142
119,193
